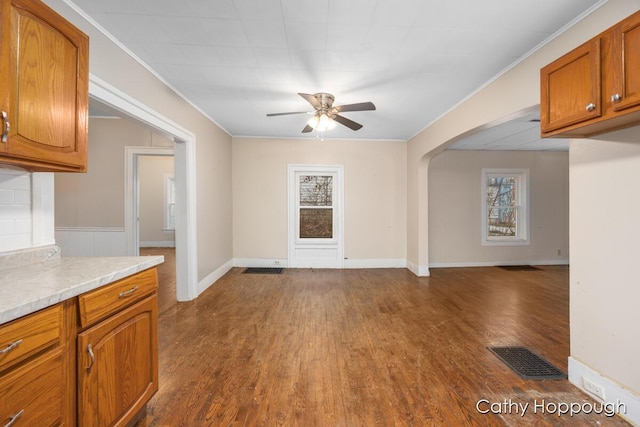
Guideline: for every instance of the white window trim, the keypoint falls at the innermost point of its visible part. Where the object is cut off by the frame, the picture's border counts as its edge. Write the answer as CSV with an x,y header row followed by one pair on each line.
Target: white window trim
x,y
522,234
168,178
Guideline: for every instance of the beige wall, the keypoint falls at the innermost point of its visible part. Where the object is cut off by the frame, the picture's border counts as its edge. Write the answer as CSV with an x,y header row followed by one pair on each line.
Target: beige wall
x,y
605,231
212,147
455,207
96,199
152,171
375,197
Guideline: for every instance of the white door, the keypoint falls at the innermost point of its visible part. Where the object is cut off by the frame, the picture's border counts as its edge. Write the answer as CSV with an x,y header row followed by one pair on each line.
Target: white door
x,y
316,216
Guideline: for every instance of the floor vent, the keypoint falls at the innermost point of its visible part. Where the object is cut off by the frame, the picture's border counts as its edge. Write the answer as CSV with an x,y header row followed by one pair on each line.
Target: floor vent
x,y
263,270
527,364
518,267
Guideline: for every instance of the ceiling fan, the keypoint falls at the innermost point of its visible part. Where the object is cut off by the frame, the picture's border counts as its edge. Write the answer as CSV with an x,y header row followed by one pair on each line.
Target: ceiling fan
x,y
326,115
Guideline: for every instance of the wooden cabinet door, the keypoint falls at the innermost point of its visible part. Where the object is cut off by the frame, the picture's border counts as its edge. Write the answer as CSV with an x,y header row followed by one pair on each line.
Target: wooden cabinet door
x,y
626,58
118,365
45,75
570,88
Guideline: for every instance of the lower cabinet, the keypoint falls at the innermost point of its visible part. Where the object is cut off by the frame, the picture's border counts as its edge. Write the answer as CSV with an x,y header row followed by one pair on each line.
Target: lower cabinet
x,y
118,365
89,361
34,394
37,368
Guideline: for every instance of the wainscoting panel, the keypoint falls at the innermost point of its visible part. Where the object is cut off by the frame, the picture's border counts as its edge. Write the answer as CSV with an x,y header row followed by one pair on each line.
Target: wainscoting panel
x,y
99,241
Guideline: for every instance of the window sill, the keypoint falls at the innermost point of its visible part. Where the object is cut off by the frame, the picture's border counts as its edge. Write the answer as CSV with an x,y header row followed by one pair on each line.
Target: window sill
x,y
514,242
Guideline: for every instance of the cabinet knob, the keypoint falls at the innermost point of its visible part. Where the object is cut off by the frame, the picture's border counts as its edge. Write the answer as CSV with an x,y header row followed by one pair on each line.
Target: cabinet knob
x,y
615,98
7,126
591,107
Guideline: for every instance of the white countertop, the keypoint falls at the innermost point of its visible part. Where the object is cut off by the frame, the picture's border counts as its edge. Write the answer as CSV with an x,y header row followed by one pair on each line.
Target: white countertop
x,y
28,288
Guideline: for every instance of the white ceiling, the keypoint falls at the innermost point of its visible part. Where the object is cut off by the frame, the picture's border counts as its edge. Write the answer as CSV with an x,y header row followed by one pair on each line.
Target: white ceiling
x,y
521,134
237,60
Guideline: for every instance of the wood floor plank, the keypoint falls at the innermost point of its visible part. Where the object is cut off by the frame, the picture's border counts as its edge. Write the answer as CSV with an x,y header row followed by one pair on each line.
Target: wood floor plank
x,y
364,348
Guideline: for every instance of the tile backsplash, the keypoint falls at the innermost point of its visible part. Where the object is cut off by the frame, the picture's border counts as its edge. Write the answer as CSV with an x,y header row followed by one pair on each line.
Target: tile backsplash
x,y
15,210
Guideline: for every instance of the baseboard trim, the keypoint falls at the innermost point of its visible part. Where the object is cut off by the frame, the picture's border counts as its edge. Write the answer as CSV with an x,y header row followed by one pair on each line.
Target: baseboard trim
x,y
214,276
348,263
496,263
375,263
613,392
418,270
92,229
158,244
260,262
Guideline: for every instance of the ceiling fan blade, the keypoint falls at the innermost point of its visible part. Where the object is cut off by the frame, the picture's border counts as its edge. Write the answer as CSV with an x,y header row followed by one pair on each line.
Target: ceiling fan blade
x,y
361,106
312,100
347,122
288,114
307,129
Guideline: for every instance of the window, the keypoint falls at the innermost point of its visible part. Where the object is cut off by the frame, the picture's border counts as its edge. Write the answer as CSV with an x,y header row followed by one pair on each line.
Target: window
x,y
315,204
169,202
505,210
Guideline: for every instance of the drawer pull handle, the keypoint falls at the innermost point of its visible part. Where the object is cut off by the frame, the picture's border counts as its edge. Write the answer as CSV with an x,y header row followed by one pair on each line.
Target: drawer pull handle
x,y
7,126
10,347
91,357
127,293
615,98
591,107
14,419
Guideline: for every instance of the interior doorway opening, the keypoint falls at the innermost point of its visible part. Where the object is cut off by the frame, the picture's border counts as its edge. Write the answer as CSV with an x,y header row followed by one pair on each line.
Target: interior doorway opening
x,y
184,157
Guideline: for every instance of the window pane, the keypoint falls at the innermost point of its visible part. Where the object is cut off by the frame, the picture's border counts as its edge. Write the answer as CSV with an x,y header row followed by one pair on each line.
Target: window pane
x,y
316,223
501,191
502,221
316,190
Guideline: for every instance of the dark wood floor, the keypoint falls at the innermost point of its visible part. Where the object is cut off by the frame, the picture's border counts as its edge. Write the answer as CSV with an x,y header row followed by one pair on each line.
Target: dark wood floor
x,y
364,348
166,276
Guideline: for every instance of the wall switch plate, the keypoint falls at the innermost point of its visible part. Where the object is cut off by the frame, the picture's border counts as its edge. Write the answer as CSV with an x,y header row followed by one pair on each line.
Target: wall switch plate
x,y
593,388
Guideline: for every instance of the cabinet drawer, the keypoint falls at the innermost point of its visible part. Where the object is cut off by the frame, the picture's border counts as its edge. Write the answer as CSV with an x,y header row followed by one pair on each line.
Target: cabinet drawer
x,y
28,335
100,303
33,394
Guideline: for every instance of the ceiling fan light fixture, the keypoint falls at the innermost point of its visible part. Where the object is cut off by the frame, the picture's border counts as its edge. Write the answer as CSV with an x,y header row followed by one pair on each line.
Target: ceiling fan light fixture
x,y
326,116
321,122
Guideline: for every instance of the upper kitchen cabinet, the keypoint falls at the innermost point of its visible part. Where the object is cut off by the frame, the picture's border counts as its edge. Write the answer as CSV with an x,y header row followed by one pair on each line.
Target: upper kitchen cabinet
x,y
571,85
595,88
626,64
44,82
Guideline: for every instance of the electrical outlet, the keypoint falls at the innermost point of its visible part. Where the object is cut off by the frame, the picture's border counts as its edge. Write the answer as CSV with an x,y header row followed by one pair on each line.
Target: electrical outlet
x,y
593,388
559,252
276,262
